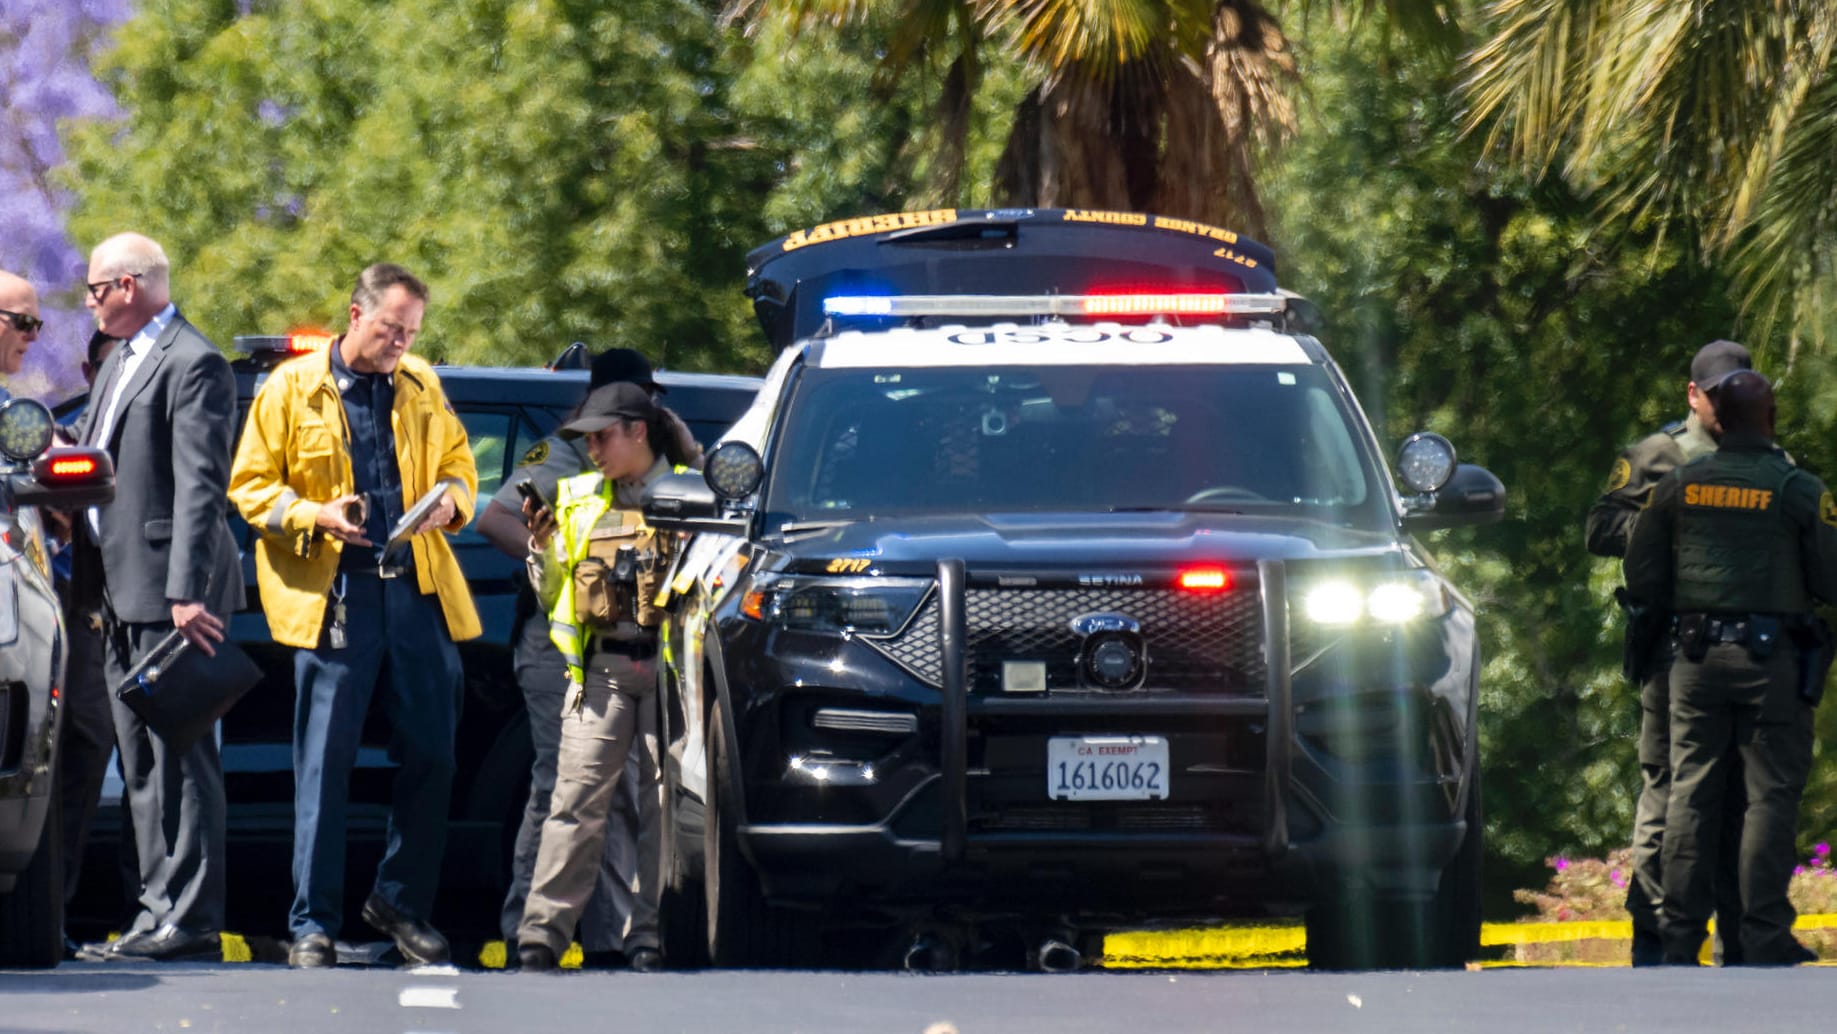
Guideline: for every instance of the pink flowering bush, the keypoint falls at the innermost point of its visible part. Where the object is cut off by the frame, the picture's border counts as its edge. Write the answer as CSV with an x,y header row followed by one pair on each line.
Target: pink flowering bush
x,y
1594,890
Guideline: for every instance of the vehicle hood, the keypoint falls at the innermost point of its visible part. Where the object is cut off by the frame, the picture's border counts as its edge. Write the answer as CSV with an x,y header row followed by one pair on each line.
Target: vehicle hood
x,y
1090,538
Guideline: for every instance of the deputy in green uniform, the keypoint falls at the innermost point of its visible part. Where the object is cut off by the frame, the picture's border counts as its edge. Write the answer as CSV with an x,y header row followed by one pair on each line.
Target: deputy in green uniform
x,y
1738,544
600,572
1610,520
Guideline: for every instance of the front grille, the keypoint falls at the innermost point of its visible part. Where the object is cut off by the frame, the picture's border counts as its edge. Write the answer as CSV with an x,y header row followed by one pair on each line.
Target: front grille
x,y
1195,642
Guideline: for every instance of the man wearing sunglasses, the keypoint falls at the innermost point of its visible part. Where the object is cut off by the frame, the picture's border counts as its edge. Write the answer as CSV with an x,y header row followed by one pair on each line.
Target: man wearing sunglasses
x,y
19,324
161,557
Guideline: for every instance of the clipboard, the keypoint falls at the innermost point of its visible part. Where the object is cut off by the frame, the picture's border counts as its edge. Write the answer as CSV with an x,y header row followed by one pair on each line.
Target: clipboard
x,y
404,530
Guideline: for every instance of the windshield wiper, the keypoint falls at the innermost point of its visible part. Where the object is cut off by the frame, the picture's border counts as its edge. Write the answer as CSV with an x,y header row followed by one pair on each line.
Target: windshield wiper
x,y
798,528
1176,508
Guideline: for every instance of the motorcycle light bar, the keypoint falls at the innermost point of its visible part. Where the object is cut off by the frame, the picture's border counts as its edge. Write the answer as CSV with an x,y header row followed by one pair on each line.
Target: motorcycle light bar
x,y
1145,304
298,343
66,467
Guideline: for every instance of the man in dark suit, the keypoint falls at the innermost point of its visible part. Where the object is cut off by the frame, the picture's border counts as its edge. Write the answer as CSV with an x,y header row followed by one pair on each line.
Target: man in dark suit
x,y
161,556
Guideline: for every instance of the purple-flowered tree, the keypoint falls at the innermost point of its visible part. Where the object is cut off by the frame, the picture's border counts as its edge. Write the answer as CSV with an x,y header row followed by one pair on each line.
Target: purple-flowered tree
x,y
45,51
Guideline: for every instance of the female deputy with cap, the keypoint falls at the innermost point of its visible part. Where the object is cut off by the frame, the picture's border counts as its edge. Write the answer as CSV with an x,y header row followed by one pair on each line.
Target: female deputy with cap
x,y
597,569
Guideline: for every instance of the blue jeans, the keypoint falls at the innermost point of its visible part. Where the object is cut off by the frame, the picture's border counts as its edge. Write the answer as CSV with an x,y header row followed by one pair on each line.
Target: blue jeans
x,y
398,652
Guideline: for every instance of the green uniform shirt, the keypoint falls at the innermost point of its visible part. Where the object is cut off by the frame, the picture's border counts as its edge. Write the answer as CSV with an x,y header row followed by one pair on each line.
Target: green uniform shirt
x,y
1738,531
1629,483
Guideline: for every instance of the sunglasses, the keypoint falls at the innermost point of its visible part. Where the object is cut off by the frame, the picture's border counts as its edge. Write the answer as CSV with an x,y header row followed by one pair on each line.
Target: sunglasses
x,y
100,289
23,323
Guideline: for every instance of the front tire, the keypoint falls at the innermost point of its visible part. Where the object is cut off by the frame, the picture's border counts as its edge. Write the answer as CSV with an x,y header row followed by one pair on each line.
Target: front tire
x,y
32,915
743,930
1364,931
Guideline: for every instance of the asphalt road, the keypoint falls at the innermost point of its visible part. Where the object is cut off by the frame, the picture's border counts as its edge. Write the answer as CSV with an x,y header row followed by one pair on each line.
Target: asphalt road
x,y
111,999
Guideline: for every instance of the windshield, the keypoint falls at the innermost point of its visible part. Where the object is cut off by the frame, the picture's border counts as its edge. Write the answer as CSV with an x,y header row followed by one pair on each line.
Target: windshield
x,y
1264,440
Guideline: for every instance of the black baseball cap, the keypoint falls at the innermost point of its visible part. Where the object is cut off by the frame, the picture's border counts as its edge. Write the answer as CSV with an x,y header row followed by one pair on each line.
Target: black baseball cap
x,y
607,405
627,365
1715,361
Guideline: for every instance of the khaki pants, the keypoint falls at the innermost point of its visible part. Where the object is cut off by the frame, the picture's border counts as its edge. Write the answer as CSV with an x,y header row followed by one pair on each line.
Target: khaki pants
x,y
600,723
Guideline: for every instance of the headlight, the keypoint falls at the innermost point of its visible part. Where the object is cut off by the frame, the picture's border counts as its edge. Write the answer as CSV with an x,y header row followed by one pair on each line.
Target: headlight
x,y
1392,600
857,606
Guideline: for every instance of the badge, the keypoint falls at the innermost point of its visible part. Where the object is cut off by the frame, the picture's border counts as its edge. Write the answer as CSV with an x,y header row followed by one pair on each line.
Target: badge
x,y
1621,474
537,453
1827,510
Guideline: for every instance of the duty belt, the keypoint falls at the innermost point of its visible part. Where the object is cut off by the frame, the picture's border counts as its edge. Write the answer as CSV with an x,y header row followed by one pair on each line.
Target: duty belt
x,y
1719,629
637,649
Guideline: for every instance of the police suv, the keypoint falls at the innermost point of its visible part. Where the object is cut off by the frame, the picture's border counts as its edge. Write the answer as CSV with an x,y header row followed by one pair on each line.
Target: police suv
x,y
33,473
1056,583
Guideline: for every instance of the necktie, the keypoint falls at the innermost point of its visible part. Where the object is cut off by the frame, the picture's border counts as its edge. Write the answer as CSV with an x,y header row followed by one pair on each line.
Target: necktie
x,y
105,393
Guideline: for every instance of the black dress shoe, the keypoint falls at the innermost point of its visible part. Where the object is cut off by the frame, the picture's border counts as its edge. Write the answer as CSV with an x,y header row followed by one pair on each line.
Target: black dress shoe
x,y
100,951
535,958
416,939
167,944
646,960
312,951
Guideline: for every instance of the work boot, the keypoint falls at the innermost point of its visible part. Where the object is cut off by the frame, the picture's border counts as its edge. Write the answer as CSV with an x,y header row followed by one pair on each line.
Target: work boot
x,y
312,951
416,939
536,958
646,960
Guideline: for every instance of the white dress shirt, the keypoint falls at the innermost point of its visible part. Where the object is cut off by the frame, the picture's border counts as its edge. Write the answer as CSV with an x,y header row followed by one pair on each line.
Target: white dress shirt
x,y
138,348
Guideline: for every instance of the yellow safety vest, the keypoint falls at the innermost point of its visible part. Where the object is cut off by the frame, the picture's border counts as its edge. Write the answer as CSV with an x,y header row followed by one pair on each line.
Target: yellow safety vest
x,y
580,503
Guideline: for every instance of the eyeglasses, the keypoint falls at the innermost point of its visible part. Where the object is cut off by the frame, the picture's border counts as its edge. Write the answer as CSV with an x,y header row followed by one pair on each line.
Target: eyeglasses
x,y
100,289
22,322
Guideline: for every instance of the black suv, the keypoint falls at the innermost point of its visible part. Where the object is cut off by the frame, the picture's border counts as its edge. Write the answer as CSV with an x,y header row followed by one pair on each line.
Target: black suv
x,y
505,411
32,645
1057,584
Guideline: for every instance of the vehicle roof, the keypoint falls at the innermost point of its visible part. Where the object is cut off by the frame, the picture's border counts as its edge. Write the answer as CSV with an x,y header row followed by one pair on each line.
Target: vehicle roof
x,y
1013,251
542,386
1056,344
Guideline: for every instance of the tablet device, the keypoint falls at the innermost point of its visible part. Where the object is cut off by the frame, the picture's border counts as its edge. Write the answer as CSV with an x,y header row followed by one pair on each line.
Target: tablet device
x,y
404,529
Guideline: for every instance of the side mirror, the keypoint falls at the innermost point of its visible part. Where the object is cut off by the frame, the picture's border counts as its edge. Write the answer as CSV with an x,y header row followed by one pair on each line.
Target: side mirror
x,y
1471,496
684,502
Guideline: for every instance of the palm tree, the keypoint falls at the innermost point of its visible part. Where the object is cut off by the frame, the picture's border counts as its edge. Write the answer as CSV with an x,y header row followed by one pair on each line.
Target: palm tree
x,y
1717,117
1150,105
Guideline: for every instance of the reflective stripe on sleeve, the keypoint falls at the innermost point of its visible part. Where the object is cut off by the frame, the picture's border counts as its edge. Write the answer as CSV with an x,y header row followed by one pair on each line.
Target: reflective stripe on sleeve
x,y
277,517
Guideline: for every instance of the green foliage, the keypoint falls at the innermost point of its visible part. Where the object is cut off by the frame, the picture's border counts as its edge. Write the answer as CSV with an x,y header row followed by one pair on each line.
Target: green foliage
x,y
1466,300
1582,890
556,169
544,165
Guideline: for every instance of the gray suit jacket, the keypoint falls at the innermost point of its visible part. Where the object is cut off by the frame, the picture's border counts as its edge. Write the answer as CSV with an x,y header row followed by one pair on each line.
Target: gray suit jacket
x,y
165,537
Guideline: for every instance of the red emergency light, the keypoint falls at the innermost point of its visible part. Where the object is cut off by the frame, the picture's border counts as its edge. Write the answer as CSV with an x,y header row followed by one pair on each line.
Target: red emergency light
x,y
72,467
1204,579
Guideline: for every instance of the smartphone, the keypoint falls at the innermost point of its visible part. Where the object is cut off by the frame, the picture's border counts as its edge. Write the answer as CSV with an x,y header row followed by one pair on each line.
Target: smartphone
x,y
528,490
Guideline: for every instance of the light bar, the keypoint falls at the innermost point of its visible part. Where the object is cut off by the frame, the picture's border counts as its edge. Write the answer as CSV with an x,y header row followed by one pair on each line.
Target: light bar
x,y
73,466
297,343
1055,305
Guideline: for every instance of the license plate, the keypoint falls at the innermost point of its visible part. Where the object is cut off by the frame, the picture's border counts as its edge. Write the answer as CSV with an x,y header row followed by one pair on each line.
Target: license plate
x,y
1106,768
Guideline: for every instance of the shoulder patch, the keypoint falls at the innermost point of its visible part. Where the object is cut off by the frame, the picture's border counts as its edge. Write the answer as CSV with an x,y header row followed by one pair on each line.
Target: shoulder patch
x,y
1621,474
538,453
1827,510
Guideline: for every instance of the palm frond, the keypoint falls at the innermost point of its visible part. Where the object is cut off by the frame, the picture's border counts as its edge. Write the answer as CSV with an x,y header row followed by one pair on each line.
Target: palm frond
x,y
1522,83
1787,254
1100,37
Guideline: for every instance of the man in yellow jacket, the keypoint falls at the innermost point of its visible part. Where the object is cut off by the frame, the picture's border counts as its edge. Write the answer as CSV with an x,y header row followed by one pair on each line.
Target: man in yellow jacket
x,y
338,448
